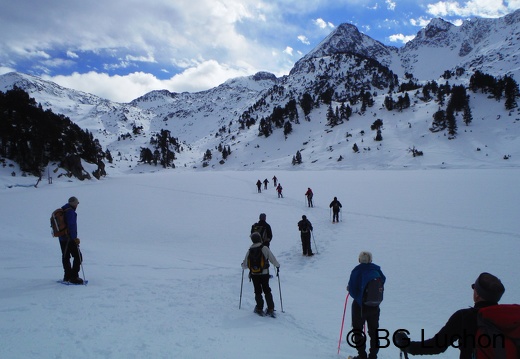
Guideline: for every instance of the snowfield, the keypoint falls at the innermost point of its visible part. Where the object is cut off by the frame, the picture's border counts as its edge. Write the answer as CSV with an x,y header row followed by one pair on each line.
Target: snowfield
x,y
162,254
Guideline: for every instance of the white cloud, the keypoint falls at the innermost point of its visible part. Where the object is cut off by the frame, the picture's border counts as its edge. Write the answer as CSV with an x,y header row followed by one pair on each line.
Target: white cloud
x,y
5,70
421,21
322,24
118,88
72,54
390,5
288,50
304,40
401,38
481,8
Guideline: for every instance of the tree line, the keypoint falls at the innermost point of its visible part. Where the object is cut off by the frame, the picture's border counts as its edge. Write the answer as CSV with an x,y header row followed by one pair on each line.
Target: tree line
x,y
33,137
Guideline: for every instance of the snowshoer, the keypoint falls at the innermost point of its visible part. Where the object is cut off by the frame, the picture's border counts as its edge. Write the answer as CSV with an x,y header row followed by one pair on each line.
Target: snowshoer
x,y
261,280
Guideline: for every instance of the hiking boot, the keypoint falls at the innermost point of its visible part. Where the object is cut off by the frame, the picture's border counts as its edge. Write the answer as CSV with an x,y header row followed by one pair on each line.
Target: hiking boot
x,y
66,278
259,311
360,356
76,280
270,313
310,254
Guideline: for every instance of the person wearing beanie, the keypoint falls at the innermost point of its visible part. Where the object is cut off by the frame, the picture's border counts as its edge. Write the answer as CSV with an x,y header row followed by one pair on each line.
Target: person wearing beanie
x,y
305,228
336,208
264,229
461,326
363,313
69,244
261,280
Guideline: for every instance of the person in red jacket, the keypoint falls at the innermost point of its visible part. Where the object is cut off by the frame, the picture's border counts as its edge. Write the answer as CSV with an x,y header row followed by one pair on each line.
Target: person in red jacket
x,y
309,195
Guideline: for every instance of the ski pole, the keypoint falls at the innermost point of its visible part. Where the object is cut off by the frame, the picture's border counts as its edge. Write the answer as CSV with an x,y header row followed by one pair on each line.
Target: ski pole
x,y
241,286
81,264
315,246
342,323
279,288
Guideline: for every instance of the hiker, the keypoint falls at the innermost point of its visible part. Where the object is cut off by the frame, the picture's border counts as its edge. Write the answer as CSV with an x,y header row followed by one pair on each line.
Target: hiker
x,y
261,279
262,227
462,325
279,190
336,207
305,228
69,244
362,311
309,195
259,186
274,181
265,183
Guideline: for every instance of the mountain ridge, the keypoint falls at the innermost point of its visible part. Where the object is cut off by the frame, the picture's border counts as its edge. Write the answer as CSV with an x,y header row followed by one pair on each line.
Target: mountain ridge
x,y
344,66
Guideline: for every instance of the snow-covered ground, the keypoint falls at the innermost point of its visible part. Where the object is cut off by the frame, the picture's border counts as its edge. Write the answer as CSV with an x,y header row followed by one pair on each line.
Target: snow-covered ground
x,y
162,254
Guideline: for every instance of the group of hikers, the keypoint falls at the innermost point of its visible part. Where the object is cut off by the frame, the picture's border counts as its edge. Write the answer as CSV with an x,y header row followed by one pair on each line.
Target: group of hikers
x,y
365,287
277,186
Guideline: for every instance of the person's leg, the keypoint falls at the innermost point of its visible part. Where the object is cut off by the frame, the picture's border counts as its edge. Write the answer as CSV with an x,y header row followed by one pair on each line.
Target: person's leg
x,y
257,284
358,337
65,260
372,318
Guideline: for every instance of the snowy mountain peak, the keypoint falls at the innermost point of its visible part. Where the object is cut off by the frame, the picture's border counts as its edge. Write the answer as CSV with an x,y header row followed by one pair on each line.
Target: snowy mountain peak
x,y
294,110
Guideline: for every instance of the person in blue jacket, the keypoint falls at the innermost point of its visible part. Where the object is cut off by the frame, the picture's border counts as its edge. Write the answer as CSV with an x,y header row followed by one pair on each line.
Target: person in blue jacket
x,y
364,272
69,244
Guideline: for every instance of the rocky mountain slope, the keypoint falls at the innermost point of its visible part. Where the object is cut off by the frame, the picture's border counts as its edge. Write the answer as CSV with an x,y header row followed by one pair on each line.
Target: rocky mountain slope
x,y
341,71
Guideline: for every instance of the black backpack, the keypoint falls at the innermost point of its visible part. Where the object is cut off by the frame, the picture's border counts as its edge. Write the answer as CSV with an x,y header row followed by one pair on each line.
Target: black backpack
x,y
256,261
373,294
261,230
304,226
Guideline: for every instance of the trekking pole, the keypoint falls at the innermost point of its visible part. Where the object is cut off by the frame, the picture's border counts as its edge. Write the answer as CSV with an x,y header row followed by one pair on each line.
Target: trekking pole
x,y
315,246
81,264
241,286
279,289
342,323
403,353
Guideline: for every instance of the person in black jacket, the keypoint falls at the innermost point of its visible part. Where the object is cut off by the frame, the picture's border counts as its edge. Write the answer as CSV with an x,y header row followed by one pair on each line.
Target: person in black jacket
x,y
336,206
305,228
264,229
462,325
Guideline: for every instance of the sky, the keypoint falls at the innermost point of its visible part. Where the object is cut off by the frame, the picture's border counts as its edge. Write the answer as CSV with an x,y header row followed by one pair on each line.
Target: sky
x,y
122,49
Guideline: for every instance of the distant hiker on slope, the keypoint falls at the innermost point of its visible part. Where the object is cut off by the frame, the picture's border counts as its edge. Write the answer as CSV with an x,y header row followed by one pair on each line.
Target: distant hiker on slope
x,y
257,261
336,207
309,195
279,190
265,183
274,181
69,244
462,325
305,228
262,227
259,186
364,307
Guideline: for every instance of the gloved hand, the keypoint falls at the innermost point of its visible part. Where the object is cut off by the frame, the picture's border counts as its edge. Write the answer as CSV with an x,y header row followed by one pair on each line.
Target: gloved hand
x,y
77,241
277,271
401,340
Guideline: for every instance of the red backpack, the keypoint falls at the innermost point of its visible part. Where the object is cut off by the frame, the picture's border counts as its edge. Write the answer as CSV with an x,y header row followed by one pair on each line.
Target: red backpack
x,y
498,333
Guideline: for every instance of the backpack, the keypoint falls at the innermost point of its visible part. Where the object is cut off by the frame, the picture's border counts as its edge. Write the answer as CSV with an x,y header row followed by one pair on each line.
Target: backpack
x,y
498,332
58,223
373,293
304,227
260,229
256,261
